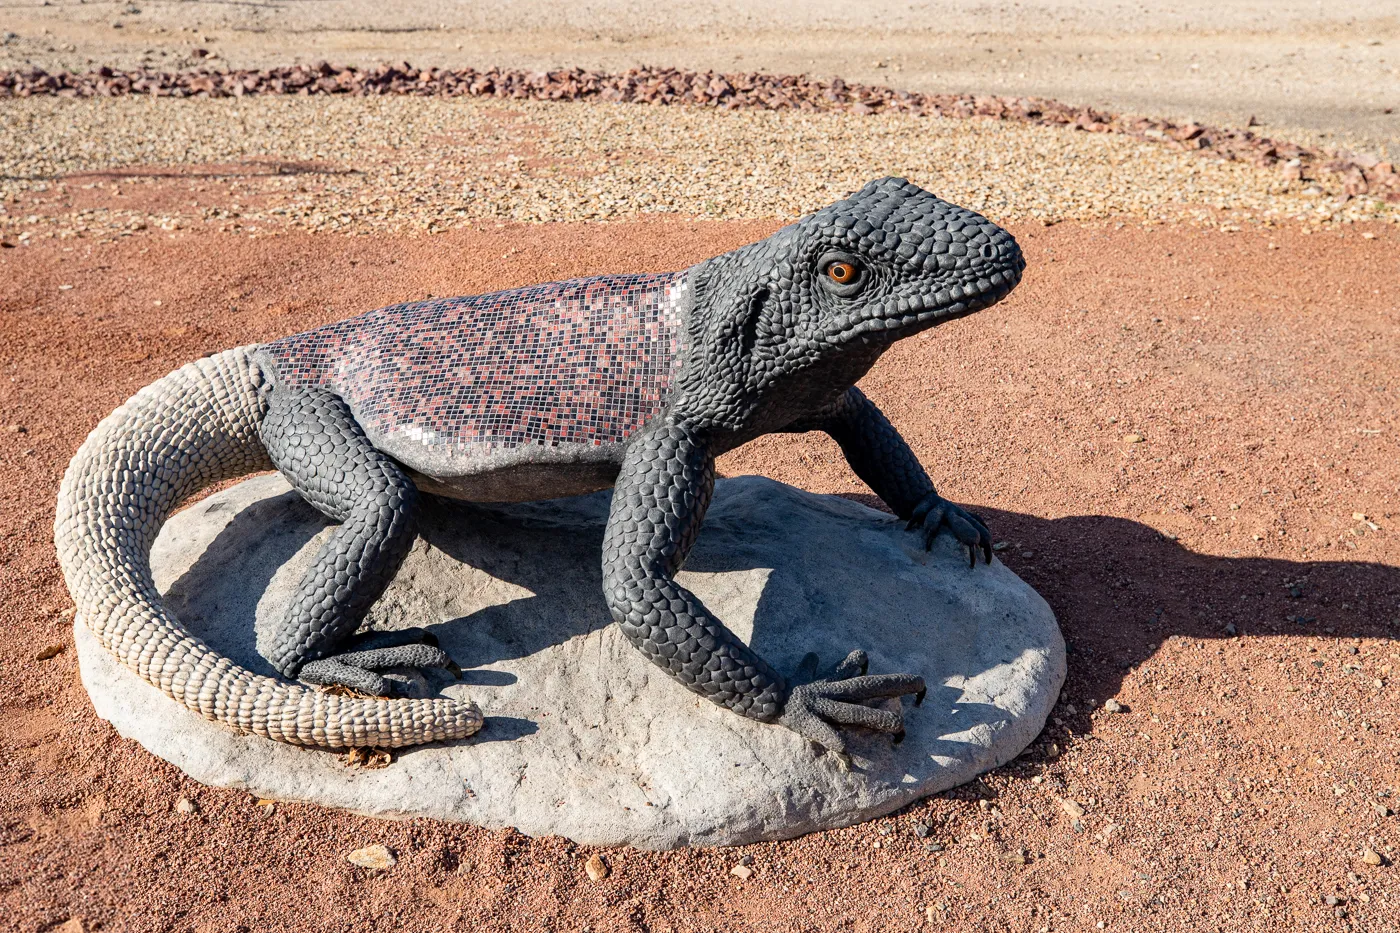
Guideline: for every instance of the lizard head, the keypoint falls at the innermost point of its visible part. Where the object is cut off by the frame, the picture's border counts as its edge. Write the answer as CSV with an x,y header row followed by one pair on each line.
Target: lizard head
x,y
888,262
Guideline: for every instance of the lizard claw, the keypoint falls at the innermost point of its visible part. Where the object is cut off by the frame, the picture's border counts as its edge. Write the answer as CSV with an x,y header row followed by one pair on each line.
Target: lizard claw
x,y
361,667
934,513
815,710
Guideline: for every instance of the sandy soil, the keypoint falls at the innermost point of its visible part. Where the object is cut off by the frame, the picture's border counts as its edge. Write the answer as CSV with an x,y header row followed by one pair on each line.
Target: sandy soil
x,y
1232,579
1312,72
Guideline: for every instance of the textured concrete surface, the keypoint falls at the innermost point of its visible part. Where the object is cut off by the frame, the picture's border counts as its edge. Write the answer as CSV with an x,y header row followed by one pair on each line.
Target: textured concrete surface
x,y
583,737
1311,72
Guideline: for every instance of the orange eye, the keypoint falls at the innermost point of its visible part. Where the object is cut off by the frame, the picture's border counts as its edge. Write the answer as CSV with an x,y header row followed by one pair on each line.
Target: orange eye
x,y
842,273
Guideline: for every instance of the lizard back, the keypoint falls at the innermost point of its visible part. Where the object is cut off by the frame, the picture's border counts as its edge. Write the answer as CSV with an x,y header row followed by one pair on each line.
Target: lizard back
x,y
549,376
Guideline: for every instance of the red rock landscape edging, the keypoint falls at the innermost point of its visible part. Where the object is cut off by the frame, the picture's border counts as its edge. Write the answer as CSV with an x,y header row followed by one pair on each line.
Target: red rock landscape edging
x,y
1357,173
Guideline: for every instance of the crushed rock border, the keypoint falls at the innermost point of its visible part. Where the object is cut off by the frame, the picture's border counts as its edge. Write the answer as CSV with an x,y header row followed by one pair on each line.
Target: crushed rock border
x,y
1357,173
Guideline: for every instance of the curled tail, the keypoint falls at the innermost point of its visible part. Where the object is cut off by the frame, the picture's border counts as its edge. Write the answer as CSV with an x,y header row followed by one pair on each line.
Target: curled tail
x,y
196,427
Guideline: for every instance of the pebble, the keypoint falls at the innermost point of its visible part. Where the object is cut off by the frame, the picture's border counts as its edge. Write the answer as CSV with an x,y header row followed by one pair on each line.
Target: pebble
x,y
1230,629
595,868
51,651
186,806
1332,900
934,847
1344,173
375,857
478,149
1133,438
1371,857
922,830
742,872
1113,706
1072,808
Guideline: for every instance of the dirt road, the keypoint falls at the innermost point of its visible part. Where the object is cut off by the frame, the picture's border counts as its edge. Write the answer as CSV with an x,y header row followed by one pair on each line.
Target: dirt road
x,y
1313,72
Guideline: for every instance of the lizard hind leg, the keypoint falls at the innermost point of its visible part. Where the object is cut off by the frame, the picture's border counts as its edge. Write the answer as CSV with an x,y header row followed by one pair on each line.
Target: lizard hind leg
x,y
314,440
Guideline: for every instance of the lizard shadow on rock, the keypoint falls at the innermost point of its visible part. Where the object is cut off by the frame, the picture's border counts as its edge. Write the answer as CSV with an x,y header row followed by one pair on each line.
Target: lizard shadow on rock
x,y
254,545
562,578
1119,588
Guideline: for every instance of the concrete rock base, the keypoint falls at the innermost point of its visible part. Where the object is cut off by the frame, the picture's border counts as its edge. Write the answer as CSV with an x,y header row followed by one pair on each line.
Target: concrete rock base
x,y
584,738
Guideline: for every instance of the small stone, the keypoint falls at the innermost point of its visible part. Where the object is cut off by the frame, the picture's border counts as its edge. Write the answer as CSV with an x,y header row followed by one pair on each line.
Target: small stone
x,y
933,847
1133,438
370,759
1371,857
1113,706
1332,900
922,830
52,651
742,872
1073,809
71,925
746,860
1230,629
1028,554
375,858
186,806
17,429
595,868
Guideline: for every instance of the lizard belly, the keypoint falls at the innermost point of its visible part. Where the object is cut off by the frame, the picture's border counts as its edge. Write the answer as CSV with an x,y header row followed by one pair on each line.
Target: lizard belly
x,y
481,473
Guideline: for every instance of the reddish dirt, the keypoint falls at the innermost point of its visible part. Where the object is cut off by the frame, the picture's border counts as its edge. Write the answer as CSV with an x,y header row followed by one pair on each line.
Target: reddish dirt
x,y
1237,792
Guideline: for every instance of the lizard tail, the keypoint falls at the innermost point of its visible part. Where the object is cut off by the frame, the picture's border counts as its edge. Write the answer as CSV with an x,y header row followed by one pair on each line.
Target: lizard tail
x,y
177,436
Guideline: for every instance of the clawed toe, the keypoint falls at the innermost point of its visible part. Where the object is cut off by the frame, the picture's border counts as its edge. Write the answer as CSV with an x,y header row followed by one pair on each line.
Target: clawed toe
x,y
359,668
817,710
329,672
934,513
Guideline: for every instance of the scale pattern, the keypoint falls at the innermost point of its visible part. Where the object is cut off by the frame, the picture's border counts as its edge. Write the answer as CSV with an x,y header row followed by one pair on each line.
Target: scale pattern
x,y
587,361
195,427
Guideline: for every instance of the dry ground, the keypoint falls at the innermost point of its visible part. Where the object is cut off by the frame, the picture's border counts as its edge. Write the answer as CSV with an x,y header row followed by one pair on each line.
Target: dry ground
x,y
1216,578
1232,578
1310,71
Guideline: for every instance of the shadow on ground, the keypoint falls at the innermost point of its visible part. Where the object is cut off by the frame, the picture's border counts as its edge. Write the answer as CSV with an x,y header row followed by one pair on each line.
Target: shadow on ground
x,y
1119,588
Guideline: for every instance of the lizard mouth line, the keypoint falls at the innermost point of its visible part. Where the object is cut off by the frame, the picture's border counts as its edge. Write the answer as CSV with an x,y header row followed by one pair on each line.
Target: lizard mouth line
x,y
902,318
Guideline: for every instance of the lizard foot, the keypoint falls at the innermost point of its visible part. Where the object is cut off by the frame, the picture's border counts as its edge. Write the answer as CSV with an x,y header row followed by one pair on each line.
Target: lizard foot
x,y
361,668
814,710
934,513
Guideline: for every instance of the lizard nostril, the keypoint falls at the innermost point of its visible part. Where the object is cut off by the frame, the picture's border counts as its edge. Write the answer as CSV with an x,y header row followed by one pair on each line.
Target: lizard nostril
x,y
989,251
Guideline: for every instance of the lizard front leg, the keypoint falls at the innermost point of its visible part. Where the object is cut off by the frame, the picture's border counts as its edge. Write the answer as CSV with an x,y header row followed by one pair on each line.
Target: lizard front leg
x,y
662,492
882,458
314,440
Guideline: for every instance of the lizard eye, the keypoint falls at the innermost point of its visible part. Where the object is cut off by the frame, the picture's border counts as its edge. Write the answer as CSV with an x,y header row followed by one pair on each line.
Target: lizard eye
x,y
842,273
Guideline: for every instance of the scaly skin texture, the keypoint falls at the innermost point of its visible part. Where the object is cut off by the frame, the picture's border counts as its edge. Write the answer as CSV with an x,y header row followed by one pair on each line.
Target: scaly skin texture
x,y
640,381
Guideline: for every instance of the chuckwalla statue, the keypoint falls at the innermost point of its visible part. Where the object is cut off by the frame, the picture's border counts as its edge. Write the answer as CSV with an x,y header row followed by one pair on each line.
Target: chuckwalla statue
x,y
633,381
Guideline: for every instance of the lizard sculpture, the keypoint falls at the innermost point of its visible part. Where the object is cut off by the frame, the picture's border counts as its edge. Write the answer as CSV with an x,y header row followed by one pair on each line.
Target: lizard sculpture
x,y
635,381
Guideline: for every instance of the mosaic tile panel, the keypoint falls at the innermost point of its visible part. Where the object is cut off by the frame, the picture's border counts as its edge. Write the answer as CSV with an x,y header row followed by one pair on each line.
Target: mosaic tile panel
x,y
587,361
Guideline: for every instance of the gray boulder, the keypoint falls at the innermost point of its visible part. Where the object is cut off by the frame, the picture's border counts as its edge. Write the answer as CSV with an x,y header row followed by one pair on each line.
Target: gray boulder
x,y
584,738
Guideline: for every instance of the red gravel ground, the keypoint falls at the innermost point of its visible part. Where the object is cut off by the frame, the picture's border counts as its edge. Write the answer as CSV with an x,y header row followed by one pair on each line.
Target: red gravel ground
x,y
1217,578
